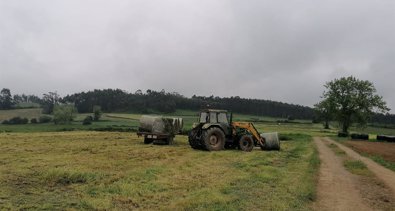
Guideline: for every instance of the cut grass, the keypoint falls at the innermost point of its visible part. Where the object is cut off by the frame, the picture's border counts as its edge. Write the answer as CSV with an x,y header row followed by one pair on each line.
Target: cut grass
x,y
357,167
105,171
64,177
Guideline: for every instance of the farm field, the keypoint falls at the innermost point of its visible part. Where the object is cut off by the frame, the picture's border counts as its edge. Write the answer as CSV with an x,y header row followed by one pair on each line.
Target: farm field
x,y
58,167
24,113
106,170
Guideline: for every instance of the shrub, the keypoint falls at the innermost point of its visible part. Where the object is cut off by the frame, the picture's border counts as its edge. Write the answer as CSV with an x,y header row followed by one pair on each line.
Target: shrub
x,y
16,121
87,120
34,121
97,112
45,119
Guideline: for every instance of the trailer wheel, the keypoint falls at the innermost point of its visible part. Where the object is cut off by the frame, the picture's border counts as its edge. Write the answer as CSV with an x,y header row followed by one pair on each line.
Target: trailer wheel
x,y
148,140
246,143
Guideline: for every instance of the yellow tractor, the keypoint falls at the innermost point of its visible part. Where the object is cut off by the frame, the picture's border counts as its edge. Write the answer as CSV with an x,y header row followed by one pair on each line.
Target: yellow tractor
x,y
216,131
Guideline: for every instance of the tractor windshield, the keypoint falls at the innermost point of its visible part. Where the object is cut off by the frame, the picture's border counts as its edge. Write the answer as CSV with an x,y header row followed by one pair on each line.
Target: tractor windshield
x,y
222,118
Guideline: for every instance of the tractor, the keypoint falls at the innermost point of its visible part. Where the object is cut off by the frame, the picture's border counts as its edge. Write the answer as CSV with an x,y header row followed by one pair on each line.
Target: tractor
x,y
216,131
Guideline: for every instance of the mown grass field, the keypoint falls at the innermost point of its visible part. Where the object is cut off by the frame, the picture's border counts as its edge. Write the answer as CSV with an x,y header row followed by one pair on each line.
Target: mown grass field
x,y
82,169
104,170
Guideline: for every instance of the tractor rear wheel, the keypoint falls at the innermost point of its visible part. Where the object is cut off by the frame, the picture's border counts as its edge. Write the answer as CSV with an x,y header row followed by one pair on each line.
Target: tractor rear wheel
x,y
246,143
214,139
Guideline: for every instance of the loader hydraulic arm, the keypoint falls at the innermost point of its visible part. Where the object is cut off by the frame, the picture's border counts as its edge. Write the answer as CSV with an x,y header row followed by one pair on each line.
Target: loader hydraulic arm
x,y
250,128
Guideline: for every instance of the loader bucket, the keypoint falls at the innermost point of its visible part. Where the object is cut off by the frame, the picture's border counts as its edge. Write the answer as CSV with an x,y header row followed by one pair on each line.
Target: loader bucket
x,y
272,142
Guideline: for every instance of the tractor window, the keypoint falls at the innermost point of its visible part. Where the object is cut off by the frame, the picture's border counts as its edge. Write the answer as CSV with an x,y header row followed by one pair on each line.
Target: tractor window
x,y
222,118
203,118
213,117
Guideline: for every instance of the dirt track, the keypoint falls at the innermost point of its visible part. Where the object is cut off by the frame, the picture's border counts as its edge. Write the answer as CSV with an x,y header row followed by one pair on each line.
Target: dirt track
x,y
338,189
336,186
386,175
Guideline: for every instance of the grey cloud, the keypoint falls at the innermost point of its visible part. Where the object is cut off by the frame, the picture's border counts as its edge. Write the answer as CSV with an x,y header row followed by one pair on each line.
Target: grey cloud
x,y
263,49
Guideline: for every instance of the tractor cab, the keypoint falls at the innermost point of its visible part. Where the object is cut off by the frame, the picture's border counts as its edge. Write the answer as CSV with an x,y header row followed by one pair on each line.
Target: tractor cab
x,y
214,117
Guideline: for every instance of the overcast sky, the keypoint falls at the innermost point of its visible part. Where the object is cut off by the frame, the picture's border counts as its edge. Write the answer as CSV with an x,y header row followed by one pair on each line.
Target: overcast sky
x,y
278,50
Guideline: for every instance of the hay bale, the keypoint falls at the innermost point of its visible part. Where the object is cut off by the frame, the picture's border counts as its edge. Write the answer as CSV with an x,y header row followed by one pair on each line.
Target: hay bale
x,y
380,138
342,134
356,136
385,138
272,141
160,124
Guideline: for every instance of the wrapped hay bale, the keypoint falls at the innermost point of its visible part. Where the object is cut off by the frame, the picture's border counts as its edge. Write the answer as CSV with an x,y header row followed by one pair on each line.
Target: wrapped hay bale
x,y
356,136
160,124
271,141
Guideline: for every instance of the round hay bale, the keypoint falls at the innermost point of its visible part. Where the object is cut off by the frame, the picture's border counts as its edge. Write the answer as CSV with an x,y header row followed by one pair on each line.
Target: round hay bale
x,y
272,141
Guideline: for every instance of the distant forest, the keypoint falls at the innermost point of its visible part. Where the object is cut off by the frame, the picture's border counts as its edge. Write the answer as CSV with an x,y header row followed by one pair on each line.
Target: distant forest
x,y
117,100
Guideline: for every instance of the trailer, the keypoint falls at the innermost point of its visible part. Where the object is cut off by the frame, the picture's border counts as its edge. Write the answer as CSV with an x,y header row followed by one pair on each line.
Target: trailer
x,y
156,138
159,129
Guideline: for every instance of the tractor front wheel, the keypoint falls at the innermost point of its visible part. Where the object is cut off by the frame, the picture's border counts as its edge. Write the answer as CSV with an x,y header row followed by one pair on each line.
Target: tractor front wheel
x,y
214,139
246,143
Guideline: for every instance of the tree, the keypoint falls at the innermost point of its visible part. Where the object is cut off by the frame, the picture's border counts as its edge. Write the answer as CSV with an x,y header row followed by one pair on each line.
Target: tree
x,y
351,100
97,112
49,101
6,101
63,114
324,112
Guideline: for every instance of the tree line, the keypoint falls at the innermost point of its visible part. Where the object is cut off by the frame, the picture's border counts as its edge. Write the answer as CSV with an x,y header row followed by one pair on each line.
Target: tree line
x,y
111,100
117,100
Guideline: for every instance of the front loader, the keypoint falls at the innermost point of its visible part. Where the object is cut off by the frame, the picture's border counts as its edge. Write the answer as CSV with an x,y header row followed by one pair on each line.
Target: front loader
x,y
216,131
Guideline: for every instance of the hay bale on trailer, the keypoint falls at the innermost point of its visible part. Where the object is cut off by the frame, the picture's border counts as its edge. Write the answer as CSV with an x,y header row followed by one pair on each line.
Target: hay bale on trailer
x,y
159,129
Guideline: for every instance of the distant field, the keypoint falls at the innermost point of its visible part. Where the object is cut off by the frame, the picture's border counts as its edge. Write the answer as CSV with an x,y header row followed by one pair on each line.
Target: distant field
x,y
102,170
130,122
25,113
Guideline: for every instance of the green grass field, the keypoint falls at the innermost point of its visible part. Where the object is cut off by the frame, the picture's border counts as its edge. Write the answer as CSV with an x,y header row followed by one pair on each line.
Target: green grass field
x,y
103,170
58,167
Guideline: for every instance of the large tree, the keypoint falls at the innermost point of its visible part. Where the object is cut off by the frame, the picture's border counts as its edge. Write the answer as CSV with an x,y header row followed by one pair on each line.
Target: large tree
x,y
352,101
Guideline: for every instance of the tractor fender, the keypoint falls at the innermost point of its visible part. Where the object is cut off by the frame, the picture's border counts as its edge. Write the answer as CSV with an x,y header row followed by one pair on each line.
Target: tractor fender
x,y
210,125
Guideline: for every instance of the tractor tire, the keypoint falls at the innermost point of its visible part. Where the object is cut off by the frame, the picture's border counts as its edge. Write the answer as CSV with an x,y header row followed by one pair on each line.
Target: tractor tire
x,y
214,139
148,140
246,143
